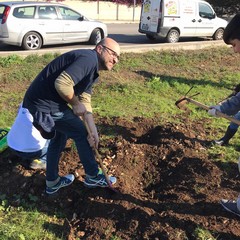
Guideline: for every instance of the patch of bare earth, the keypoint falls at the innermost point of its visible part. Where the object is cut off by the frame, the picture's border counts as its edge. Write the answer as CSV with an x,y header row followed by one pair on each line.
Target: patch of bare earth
x,y
167,185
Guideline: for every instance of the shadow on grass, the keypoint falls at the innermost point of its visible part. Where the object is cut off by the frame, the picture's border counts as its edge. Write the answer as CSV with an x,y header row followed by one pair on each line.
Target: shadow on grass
x,y
191,82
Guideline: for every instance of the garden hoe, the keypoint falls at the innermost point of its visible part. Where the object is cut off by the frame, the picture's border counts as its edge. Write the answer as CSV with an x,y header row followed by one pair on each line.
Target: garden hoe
x,y
100,162
181,104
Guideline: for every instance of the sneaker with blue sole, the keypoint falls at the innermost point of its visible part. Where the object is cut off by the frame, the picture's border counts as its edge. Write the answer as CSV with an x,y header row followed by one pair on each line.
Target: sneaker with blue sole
x,y
98,181
63,182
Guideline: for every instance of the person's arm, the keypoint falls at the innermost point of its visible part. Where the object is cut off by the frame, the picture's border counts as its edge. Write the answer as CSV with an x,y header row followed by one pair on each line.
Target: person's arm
x,y
230,106
93,138
64,86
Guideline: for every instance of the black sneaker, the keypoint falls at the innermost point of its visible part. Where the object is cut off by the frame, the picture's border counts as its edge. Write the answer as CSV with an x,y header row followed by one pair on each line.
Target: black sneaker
x,y
230,206
98,181
63,182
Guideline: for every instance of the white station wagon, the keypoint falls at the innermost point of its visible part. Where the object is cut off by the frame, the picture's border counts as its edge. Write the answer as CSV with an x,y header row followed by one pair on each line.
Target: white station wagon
x,y
34,24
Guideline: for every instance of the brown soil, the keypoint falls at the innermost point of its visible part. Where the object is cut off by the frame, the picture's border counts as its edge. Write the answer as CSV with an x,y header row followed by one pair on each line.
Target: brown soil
x,y
167,185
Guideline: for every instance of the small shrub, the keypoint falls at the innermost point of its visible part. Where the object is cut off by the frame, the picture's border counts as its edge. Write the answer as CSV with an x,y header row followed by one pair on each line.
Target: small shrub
x,y
10,60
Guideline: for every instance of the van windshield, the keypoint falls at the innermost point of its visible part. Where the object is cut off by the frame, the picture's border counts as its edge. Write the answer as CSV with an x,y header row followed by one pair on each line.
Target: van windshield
x,y
205,11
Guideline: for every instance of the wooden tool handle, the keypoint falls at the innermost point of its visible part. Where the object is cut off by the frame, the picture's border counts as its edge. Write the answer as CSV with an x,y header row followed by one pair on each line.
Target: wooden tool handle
x,y
99,157
198,103
218,113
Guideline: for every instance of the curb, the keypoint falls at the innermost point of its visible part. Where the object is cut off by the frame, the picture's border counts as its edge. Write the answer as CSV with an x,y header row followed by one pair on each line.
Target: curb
x,y
136,48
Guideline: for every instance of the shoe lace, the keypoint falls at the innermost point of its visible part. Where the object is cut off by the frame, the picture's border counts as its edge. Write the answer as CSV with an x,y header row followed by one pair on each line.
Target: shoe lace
x,y
99,179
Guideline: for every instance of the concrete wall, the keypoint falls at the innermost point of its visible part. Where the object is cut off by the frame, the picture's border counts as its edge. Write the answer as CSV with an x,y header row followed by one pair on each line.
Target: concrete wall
x,y
102,10
105,10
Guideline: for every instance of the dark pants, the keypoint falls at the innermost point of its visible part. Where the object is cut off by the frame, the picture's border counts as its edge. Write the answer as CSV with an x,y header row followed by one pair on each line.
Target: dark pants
x,y
68,125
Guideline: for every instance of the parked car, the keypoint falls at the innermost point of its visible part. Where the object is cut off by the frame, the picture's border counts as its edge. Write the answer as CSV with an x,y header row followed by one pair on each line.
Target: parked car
x,y
34,24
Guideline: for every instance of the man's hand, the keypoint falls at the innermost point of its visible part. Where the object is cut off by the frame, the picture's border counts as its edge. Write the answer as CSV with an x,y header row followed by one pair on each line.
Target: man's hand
x,y
93,137
93,140
213,110
79,109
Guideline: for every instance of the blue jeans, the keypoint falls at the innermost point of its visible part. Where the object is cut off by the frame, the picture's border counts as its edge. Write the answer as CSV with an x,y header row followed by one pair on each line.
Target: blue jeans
x,y
234,125
68,125
40,154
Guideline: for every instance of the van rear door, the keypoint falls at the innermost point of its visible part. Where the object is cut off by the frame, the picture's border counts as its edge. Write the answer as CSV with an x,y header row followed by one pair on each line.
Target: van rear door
x,y
188,18
151,15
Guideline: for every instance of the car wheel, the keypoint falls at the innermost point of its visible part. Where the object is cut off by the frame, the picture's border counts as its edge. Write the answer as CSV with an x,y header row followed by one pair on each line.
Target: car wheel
x,y
173,36
218,35
96,36
32,41
151,37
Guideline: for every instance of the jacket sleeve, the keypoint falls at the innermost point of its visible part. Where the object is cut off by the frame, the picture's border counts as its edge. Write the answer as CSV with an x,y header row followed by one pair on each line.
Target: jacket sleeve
x,y
64,84
231,106
85,99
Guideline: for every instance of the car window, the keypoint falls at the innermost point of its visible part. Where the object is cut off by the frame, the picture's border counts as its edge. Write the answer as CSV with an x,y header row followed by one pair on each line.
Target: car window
x,y
205,11
24,12
2,8
47,12
69,14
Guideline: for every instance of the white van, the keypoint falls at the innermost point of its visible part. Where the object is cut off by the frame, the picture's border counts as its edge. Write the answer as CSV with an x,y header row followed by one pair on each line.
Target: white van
x,y
172,19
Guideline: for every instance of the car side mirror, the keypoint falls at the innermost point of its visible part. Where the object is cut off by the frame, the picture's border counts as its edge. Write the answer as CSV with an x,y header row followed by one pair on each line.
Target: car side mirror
x,y
212,16
81,18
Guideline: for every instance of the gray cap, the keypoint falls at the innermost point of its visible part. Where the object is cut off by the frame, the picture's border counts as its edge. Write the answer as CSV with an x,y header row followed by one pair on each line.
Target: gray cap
x,y
232,31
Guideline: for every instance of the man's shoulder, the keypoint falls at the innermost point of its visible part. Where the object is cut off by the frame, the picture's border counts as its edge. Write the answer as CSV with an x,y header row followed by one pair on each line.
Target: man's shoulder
x,y
82,52
87,58
83,56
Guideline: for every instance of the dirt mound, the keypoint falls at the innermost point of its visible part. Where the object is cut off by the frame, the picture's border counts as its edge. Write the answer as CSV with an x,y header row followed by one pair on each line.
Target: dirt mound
x,y
167,185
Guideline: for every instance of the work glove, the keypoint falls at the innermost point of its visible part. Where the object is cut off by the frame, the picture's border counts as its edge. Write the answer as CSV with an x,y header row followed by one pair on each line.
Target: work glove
x,y
213,110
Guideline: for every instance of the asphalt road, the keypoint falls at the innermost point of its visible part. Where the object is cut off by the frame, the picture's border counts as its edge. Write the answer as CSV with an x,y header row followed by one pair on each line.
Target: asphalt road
x,y
126,34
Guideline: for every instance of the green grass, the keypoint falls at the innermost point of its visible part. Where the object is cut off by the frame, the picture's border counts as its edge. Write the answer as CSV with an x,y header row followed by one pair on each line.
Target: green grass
x,y
144,85
18,223
23,225
202,234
